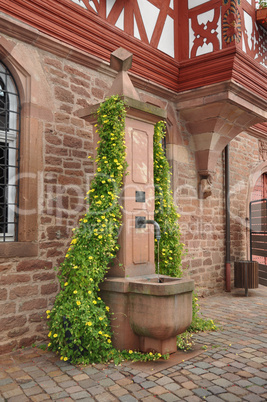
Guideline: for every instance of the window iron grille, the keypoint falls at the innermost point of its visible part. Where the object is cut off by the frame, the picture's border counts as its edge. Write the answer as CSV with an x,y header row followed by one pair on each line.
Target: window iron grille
x,y
9,155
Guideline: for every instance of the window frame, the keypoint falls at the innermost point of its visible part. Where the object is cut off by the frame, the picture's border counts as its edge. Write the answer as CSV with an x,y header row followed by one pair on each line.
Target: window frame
x,y
10,137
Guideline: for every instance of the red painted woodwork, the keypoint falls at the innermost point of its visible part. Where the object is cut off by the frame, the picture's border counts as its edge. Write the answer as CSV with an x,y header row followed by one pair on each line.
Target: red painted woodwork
x,y
223,65
261,17
87,31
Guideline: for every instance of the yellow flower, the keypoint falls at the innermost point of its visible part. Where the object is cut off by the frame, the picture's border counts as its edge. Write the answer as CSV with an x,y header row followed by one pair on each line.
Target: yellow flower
x,y
88,323
49,344
66,284
89,292
100,318
78,303
107,308
99,298
100,236
109,341
91,279
100,332
85,220
159,355
130,352
150,354
74,241
48,311
55,335
75,267
65,359
67,255
50,333
90,258
75,291
61,357
94,302
48,316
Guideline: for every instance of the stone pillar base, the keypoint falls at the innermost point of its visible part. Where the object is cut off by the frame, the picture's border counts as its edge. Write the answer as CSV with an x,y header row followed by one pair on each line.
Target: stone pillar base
x,y
150,345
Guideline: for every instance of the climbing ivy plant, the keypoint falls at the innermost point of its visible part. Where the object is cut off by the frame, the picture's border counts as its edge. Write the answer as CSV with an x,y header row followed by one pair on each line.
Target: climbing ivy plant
x,y
79,321
171,248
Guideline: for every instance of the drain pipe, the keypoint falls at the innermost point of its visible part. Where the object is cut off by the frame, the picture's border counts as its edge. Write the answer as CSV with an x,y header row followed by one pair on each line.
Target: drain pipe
x,y
227,216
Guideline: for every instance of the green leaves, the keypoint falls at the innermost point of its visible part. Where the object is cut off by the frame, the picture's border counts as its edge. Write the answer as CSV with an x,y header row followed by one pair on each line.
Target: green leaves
x,y
171,249
79,321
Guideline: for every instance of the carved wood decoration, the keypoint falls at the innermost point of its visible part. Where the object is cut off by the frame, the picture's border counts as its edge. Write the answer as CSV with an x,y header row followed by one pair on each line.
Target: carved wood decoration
x,y
178,44
151,21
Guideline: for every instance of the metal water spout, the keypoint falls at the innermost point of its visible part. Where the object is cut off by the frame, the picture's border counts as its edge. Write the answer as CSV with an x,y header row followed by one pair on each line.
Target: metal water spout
x,y
141,221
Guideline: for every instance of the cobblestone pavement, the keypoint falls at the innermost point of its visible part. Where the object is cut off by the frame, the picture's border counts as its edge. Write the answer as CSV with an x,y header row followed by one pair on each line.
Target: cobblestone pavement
x,y
233,368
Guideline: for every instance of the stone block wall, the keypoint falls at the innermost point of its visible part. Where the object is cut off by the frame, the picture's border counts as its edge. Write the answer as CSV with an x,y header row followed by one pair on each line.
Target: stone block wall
x,y
28,285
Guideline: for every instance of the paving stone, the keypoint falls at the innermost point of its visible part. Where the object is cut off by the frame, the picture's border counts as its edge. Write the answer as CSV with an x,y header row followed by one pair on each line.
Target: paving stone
x,y
80,395
182,393
189,385
172,386
67,384
193,398
28,385
59,395
222,382
168,397
127,398
201,392
6,381
33,390
133,387
40,397
216,389
53,390
138,379
164,381
97,389
253,398
237,390
148,384
141,394
107,382
12,392
157,390
257,389
151,399
105,397
213,398
258,381
117,390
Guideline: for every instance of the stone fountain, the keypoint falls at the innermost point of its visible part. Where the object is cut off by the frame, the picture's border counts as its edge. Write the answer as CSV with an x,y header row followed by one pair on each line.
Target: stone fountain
x,y
147,315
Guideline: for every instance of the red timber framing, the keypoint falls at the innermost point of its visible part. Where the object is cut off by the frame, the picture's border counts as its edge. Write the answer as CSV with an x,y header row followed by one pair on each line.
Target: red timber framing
x,y
88,31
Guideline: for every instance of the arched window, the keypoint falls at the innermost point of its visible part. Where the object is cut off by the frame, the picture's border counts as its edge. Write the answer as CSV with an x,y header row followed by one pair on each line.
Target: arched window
x,y
9,155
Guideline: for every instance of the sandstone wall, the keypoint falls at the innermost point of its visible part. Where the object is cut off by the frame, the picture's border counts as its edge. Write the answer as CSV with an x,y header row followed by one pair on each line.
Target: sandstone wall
x,y
28,285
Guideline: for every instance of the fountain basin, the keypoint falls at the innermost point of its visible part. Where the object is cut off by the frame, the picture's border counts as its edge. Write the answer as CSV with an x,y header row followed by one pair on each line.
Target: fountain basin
x,y
148,315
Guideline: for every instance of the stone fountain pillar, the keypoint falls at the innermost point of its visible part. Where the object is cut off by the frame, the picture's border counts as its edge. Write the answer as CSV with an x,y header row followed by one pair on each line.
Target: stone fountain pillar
x,y
130,286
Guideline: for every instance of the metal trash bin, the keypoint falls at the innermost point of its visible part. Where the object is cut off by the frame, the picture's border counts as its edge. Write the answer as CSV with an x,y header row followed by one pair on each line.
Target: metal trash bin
x,y
246,275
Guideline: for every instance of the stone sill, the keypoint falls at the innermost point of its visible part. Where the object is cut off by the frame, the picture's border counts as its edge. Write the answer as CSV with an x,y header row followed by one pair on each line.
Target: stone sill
x,y
18,249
